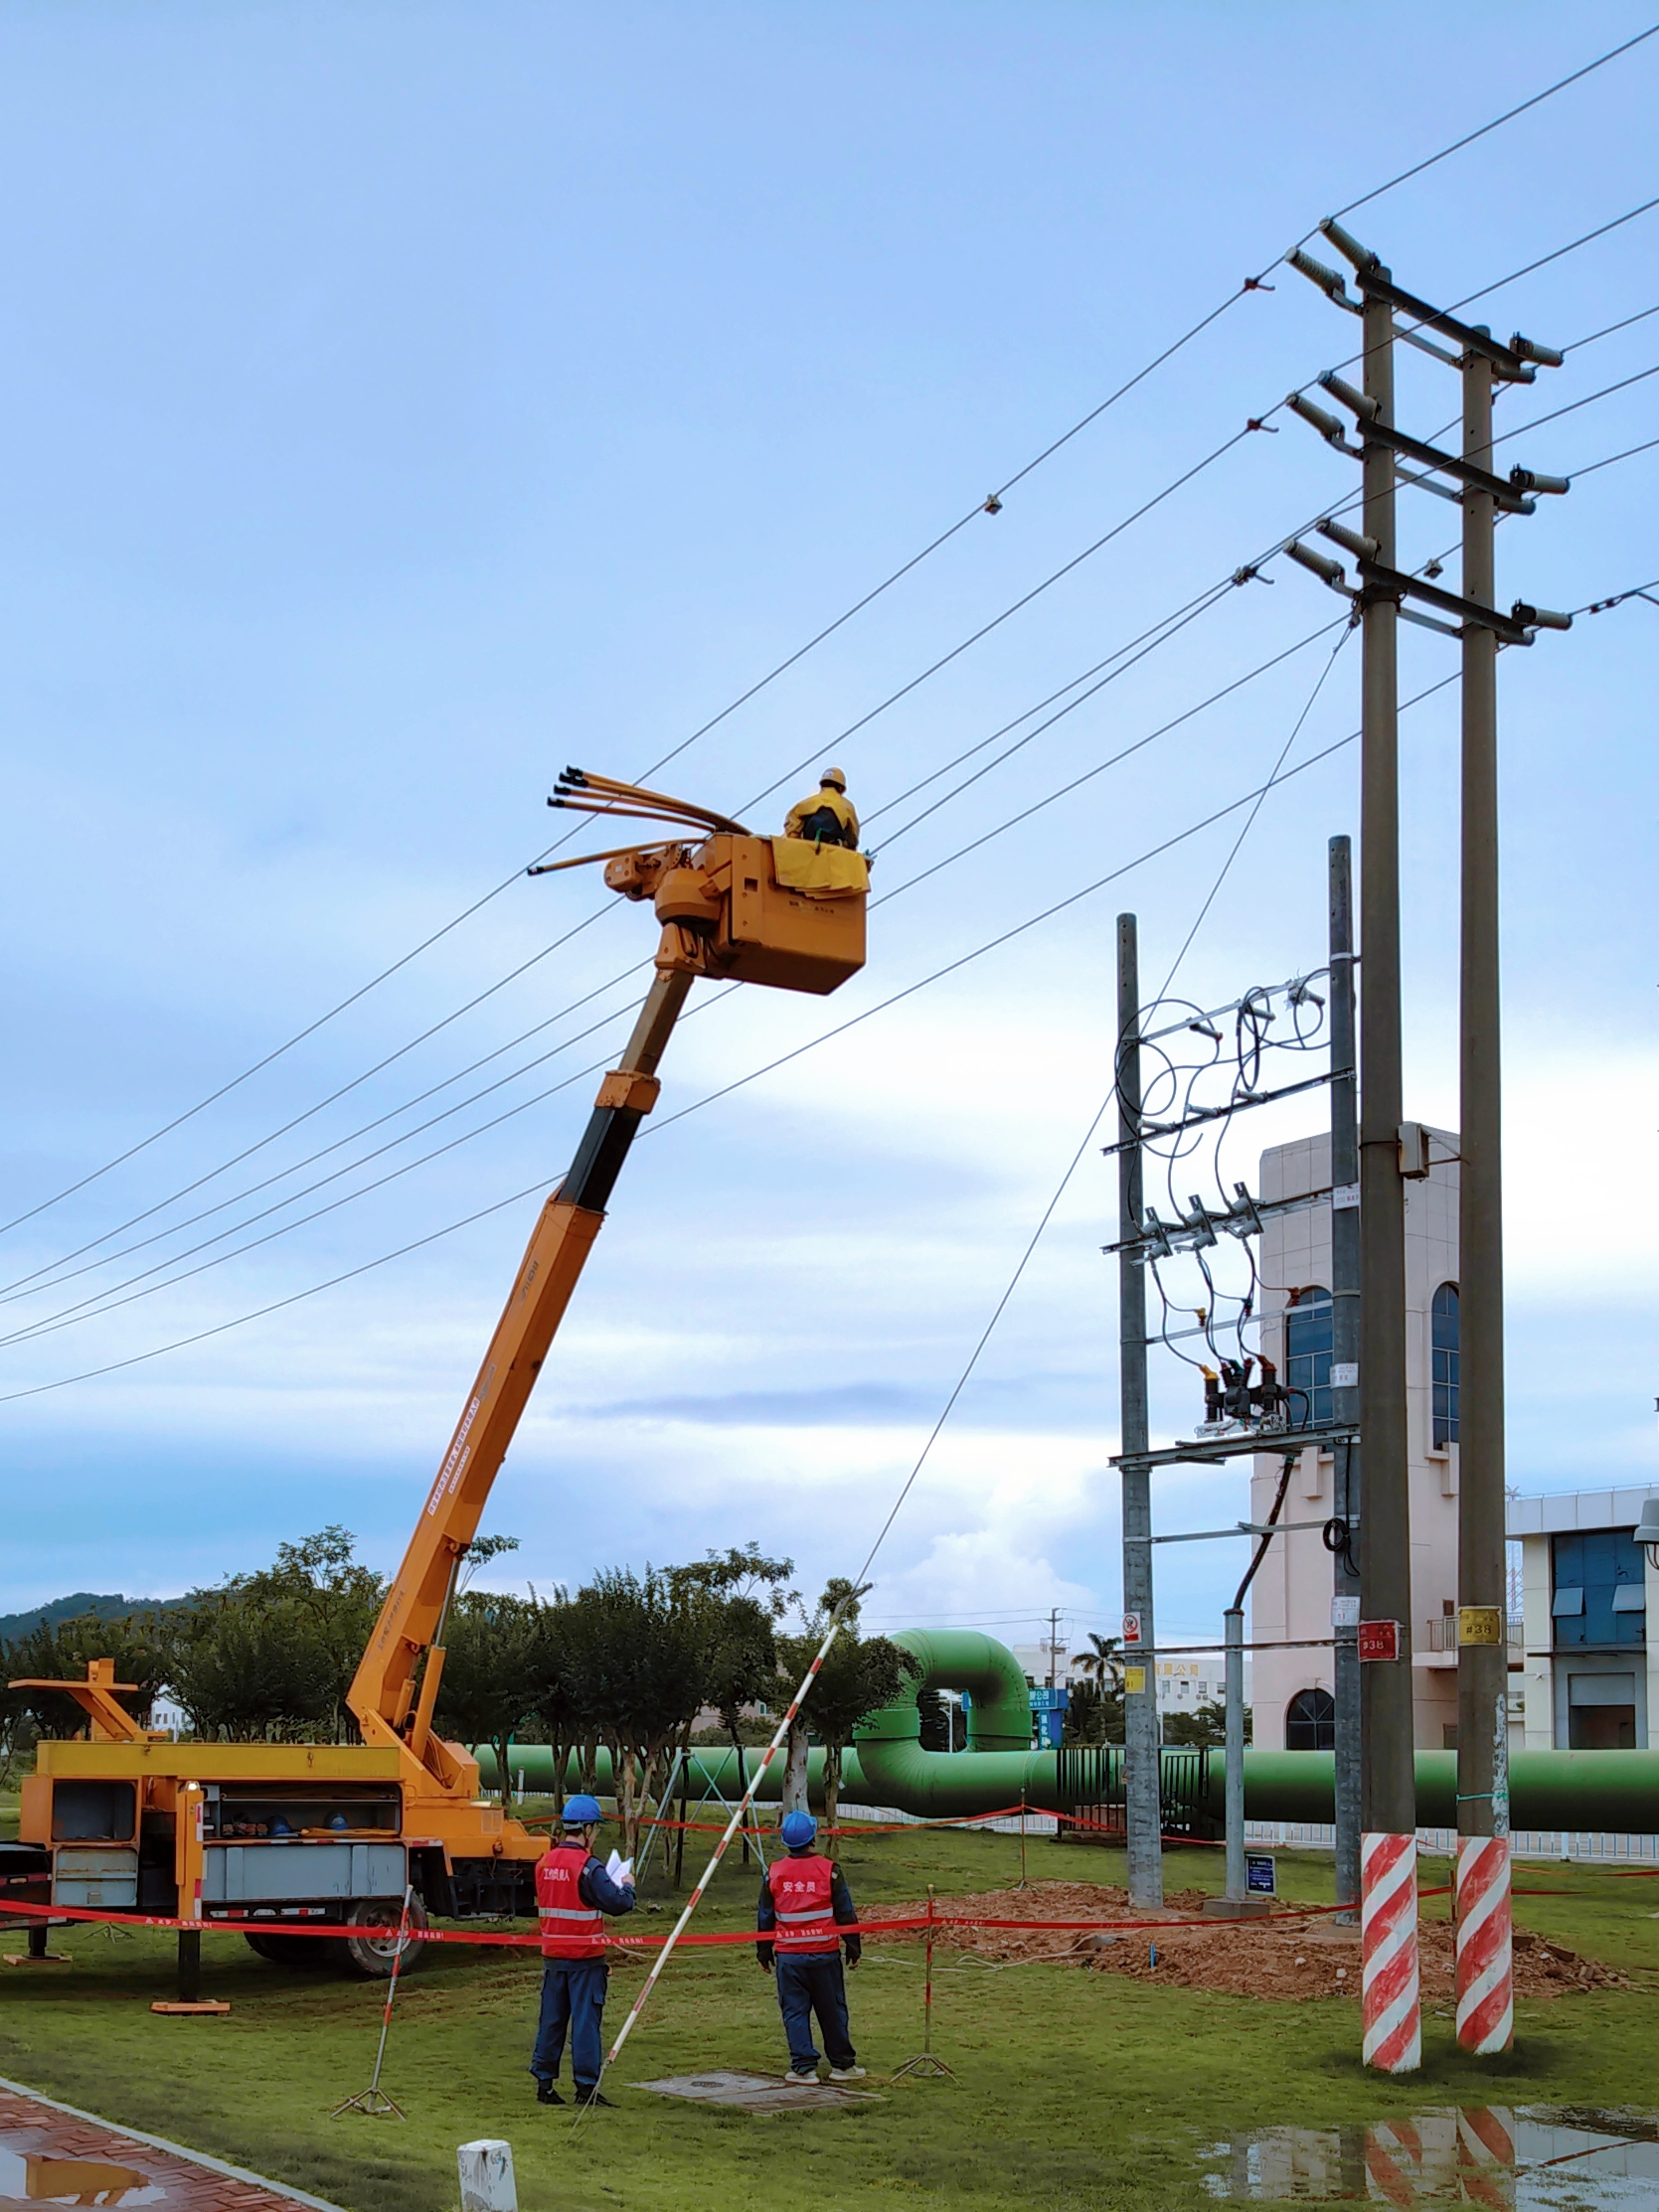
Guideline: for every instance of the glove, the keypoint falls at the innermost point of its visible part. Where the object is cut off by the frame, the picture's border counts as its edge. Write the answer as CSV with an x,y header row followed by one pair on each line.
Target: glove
x,y
767,1954
853,1946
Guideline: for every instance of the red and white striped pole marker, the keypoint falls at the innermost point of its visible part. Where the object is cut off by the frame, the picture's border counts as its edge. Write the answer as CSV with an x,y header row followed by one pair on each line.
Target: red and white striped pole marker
x,y
1391,2008
1485,1945
739,1812
373,2098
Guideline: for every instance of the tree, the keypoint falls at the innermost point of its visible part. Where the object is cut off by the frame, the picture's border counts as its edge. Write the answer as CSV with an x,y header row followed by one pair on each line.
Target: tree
x,y
1094,1714
59,1652
860,1676
245,1666
271,1655
1205,1727
635,1656
491,1674
740,1597
1103,1662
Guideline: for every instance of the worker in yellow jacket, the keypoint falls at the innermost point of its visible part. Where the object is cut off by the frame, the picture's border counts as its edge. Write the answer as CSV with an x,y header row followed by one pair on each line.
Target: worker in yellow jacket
x,y
828,817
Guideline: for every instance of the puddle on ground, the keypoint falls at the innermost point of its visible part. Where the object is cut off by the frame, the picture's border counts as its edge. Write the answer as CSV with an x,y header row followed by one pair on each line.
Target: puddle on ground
x,y
33,2179
1516,2158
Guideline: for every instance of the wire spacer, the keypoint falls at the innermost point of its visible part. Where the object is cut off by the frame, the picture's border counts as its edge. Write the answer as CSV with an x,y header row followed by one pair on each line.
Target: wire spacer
x,y
1259,284
992,506
1260,423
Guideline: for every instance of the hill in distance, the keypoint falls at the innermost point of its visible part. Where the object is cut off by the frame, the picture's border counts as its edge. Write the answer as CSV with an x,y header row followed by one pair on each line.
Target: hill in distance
x,y
103,1606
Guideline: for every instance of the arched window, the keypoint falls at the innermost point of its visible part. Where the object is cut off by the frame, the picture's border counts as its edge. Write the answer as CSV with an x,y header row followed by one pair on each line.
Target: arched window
x,y
1307,1355
1446,1358
1310,1721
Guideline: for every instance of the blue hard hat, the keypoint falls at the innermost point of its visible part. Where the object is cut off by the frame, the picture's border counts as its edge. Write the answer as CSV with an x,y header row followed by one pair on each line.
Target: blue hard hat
x,y
578,1812
798,1828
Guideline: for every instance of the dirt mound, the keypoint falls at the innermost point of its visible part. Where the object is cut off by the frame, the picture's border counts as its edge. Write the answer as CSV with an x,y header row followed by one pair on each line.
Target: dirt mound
x,y
1245,1957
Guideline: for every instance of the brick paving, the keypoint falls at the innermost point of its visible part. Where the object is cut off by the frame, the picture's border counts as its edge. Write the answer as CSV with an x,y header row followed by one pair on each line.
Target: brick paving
x,y
47,2155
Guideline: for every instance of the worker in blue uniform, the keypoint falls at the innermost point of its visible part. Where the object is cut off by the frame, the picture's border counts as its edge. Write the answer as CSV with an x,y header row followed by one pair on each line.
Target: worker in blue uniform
x,y
805,1920
573,1895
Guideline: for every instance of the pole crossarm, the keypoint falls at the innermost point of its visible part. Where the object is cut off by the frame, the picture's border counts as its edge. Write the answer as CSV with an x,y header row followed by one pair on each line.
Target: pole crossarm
x,y
1191,1232
1374,430
1239,1529
1221,1113
1201,1454
1393,582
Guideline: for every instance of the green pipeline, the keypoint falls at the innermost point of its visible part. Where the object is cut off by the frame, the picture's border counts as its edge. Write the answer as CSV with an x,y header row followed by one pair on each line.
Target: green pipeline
x,y
1612,1791
713,1774
1609,1791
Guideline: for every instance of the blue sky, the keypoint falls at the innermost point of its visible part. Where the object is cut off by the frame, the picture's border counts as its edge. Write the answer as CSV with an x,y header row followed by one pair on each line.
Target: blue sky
x,y
408,399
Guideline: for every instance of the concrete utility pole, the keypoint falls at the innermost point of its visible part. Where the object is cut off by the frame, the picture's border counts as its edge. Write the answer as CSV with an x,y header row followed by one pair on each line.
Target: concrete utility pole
x,y
1393,2035
1345,1374
1142,1810
1389,1780
1485,1987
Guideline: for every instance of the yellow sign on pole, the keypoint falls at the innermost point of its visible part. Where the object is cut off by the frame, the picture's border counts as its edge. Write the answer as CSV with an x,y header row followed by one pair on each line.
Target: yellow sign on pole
x,y
1134,1680
1480,1624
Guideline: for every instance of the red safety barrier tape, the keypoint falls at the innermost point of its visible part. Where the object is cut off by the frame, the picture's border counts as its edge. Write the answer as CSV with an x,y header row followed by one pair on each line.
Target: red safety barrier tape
x,y
899,1925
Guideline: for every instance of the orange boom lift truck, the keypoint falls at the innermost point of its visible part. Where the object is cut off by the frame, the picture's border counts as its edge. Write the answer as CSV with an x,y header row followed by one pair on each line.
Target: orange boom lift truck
x,y
123,1818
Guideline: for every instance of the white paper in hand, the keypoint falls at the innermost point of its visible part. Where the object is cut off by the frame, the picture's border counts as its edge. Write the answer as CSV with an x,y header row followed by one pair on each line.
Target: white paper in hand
x,y
620,1869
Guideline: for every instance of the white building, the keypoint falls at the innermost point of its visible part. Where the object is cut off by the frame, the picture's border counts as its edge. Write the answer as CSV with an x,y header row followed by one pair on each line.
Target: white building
x,y
1290,1598
1592,1674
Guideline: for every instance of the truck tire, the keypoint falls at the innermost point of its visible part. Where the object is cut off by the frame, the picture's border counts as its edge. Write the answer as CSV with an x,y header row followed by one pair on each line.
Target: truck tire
x,y
371,1956
290,1951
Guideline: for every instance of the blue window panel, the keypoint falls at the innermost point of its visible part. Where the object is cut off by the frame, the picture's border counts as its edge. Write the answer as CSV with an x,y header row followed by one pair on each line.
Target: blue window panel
x,y
1308,1356
1445,1361
1601,1595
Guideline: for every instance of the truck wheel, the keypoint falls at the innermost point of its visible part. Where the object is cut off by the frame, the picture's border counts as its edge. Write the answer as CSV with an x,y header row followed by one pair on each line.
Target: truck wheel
x,y
290,1951
371,1956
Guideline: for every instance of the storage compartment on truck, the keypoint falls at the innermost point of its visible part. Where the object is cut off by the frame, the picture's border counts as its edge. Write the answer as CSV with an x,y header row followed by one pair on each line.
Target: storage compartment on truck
x,y
93,1811
85,1875
255,1873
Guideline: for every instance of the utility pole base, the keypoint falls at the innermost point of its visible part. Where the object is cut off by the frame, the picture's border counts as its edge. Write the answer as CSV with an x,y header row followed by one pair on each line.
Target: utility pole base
x,y
1390,2002
1236,1908
1485,1945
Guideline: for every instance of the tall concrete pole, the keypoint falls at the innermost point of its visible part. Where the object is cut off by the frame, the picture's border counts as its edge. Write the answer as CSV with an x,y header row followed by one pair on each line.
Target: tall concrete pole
x,y
1141,1794
1484,1967
1393,2037
1345,1356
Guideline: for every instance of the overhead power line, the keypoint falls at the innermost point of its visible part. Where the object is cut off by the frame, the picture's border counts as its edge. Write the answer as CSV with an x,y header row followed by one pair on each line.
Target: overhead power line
x,y
110,1299
826,1037
988,505
1124,658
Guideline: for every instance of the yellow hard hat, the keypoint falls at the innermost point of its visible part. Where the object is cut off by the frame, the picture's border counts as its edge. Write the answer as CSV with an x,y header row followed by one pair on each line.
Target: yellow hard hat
x,y
837,776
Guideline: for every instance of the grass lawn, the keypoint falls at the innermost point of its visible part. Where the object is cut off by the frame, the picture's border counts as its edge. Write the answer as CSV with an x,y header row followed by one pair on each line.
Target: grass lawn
x,y
1073,2088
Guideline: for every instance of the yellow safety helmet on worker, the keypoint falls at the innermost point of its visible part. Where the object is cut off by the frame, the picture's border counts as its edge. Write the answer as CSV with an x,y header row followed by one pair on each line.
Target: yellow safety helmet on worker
x,y
828,817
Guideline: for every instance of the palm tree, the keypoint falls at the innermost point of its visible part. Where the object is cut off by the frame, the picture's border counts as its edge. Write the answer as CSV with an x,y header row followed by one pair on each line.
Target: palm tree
x,y
1104,1662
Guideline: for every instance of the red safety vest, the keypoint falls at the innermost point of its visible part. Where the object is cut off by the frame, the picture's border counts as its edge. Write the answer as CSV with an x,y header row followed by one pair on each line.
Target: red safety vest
x,y
801,1898
571,1927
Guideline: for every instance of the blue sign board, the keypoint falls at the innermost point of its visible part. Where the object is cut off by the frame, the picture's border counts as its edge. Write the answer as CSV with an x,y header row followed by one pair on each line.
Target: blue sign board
x,y
1260,1880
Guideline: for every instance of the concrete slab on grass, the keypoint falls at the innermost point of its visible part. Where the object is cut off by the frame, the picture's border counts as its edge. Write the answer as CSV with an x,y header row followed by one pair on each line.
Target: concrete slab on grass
x,y
760,2093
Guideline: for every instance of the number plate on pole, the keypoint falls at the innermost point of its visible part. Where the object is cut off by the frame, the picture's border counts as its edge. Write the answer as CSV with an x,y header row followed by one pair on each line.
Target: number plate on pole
x,y
1479,1624
1380,1639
